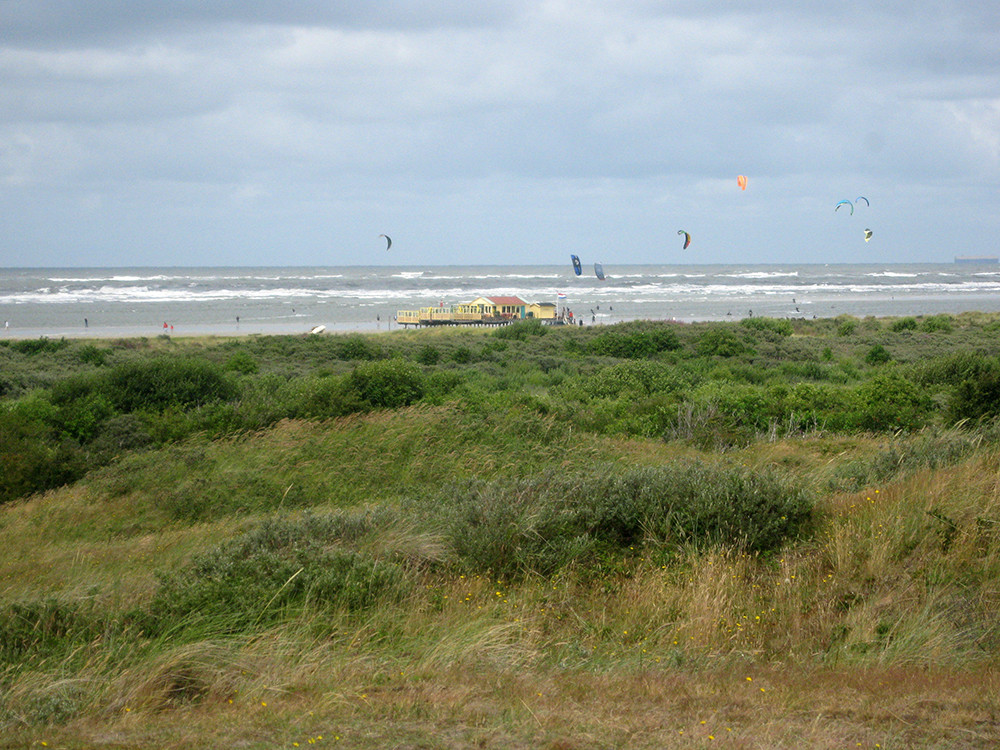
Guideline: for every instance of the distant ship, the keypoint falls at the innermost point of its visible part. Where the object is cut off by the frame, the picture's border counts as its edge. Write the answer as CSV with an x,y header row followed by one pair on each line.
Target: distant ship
x,y
976,259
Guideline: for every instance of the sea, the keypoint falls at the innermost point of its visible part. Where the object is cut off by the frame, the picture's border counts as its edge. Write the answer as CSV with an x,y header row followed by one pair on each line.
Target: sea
x,y
236,301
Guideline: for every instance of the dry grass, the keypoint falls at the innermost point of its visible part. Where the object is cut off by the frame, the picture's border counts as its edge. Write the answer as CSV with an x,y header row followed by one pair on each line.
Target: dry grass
x,y
877,632
328,696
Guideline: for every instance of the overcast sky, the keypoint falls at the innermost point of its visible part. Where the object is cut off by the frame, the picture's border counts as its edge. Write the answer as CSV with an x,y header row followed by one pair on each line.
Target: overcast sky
x,y
273,132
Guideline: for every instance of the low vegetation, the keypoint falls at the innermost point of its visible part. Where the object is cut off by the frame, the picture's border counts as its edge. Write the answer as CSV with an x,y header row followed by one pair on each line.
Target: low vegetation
x,y
765,534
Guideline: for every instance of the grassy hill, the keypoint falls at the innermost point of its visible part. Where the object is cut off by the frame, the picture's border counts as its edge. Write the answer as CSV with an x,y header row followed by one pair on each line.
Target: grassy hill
x,y
765,534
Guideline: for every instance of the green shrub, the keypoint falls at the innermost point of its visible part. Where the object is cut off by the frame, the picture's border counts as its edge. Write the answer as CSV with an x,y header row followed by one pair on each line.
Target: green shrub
x,y
634,379
808,370
903,324
83,406
90,355
543,524
720,342
877,355
462,355
440,383
807,406
279,567
773,325
126,432
32,347
160,382
357,348
937,324
928,450
320,398
745,406
891,402
429,355
954,368
387,384
84,418
629,342
46,628
522,330
977,395
32,457
846,327
242,362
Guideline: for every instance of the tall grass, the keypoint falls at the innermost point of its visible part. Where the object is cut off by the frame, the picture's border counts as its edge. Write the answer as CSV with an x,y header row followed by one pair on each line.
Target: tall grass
x,y
525,550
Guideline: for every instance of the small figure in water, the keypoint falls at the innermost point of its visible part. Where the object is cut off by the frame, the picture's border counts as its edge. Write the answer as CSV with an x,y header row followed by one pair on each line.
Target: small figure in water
x,y
85,323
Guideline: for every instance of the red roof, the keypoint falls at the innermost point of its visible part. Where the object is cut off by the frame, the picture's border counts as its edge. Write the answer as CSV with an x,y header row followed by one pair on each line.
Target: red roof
x,y
506,301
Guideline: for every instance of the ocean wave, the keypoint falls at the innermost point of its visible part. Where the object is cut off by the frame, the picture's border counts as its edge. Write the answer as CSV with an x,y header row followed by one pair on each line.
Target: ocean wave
x,y
760,274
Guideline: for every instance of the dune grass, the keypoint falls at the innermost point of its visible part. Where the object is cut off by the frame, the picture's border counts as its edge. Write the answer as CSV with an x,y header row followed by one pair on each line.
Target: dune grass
x,y
476,569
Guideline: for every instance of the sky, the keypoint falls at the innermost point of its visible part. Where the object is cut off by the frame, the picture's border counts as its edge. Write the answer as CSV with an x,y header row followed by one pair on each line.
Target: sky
x,y
295,132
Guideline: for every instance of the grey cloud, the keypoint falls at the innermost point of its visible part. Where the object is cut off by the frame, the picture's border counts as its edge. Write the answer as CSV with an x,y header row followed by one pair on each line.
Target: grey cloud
x,y
590,118
89,22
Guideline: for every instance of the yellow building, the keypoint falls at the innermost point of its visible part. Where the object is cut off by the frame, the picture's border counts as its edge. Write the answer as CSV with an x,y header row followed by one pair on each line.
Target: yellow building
x,y
481,311
510,308
541,310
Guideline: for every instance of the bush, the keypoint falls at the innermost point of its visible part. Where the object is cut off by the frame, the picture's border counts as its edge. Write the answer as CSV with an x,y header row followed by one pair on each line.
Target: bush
x,y
157,383
522,330
903,324
429,355
720,342
809,406
890,402
936,324
955,368
928,450
357,348
387,384
44,629
280,566
773,325
544,524
84,418
461,355
440,383
119,434
31,347
877,355
318,398
90,355
33,459
977,395
847,327
242,362
631,343
634,379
